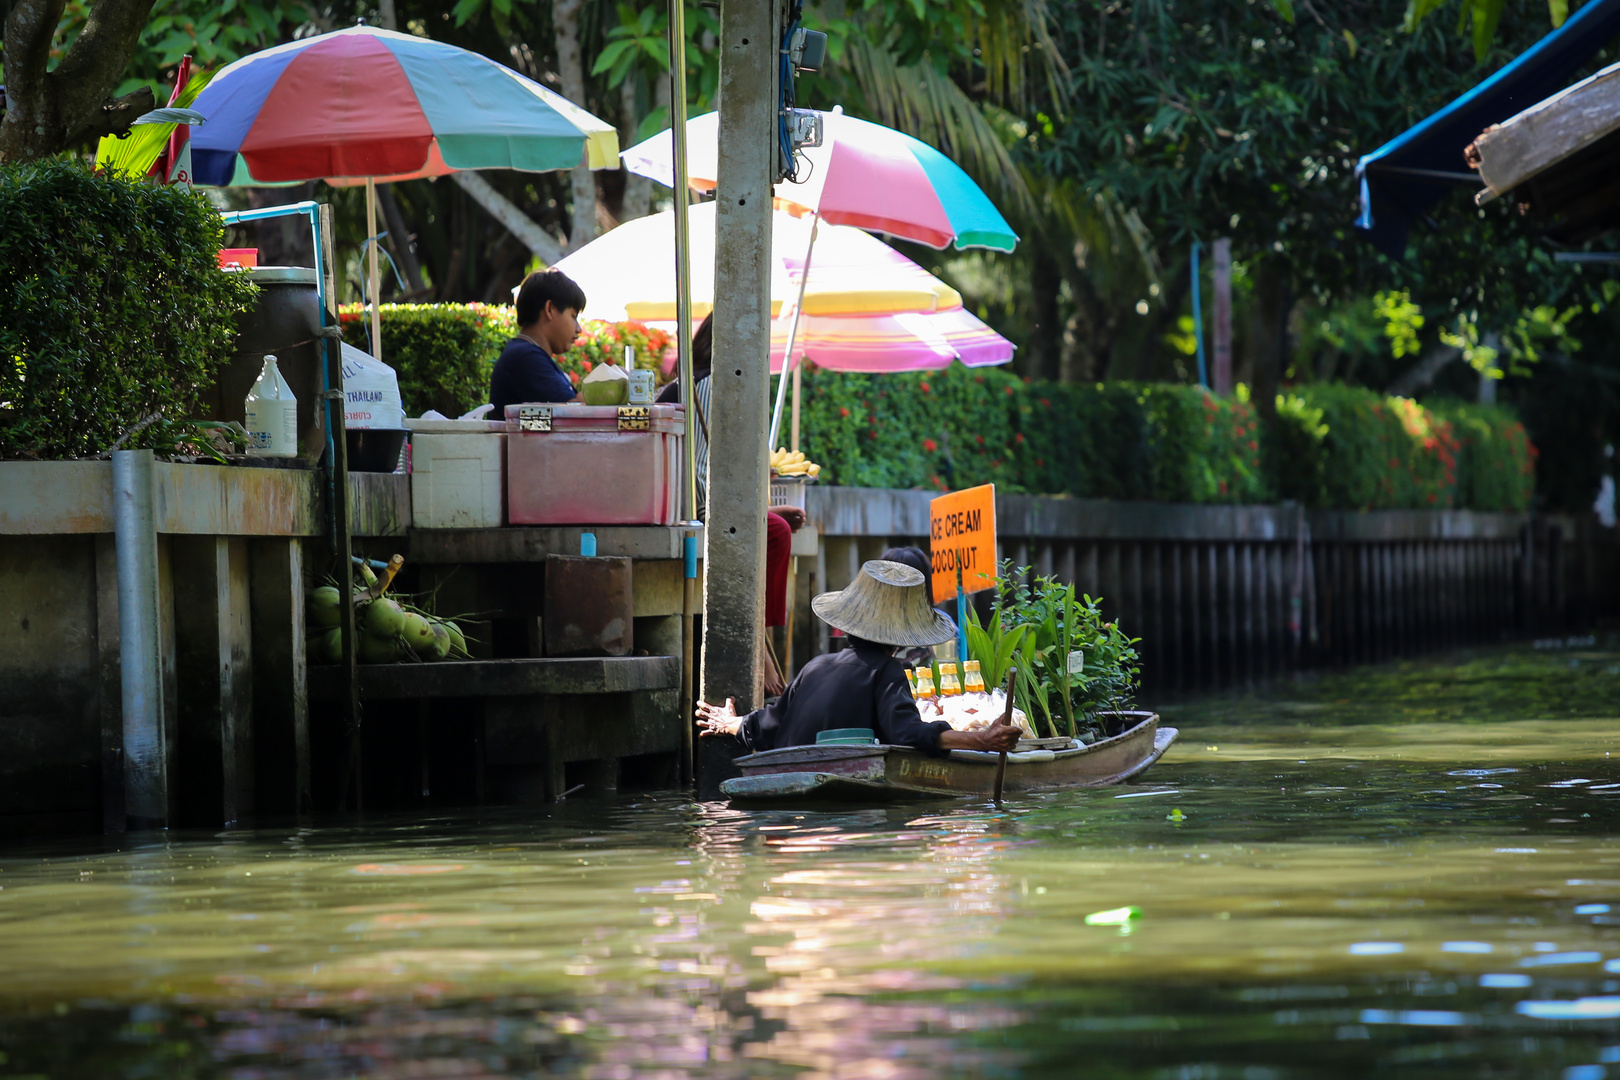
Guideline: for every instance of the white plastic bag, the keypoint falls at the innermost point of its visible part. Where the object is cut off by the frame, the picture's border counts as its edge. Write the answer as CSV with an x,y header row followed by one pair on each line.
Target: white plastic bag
x,y
371,390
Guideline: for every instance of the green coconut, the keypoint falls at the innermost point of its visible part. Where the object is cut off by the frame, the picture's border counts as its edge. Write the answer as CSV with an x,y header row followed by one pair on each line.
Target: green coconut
x,y
375,650
458,642
384,619
327,647
417,633
440,649
325,607
607,384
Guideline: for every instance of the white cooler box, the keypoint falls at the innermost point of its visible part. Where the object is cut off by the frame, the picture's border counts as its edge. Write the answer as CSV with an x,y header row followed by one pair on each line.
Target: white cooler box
x,y
458,473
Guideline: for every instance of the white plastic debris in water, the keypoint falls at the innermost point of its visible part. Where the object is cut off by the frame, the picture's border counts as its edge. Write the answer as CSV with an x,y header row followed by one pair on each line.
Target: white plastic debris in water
x,y
370,391
271,415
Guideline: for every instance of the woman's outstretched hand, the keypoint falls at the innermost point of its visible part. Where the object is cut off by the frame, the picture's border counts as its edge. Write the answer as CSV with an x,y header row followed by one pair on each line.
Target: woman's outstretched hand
x,y
714,720
997,736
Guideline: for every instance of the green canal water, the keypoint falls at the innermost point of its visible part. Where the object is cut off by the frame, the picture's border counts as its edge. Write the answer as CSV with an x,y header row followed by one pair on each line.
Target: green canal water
x,y
1412,871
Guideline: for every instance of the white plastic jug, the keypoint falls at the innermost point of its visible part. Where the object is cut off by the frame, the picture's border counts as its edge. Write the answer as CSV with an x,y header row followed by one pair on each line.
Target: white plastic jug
x,y
272,415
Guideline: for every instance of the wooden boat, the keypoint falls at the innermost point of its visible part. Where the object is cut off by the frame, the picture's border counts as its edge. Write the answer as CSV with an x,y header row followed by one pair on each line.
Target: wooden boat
x,y
800,774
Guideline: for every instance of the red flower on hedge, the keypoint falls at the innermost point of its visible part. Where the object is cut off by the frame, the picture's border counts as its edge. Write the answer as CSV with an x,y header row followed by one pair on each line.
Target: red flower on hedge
x,y
1009,391
1046,403
980,438
587,365
1253,445
1019,437
926,388
930,445
843,411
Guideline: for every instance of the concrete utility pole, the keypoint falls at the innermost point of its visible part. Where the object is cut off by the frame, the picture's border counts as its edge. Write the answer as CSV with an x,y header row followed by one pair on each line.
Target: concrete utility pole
x,y
1221,377
734,560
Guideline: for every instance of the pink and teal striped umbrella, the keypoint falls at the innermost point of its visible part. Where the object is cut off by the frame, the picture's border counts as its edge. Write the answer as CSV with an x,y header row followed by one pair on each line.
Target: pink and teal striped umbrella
x,y
365,102
863,174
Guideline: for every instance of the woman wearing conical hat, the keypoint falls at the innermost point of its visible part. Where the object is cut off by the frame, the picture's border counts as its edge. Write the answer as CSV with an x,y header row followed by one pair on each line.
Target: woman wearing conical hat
x,y
884,609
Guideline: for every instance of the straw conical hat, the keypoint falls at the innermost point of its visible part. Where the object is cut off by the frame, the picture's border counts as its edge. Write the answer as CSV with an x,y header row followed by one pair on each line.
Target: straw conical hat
x,y
886,603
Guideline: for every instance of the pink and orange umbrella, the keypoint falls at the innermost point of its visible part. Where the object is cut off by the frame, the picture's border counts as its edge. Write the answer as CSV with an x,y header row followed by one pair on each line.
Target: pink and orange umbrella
x,y
865,307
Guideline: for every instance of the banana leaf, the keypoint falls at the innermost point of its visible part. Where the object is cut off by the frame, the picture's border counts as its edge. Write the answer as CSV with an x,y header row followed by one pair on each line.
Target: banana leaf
x,y
135,154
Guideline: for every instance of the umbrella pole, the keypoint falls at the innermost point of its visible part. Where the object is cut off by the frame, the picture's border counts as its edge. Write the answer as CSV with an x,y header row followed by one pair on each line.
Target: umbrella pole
x,y
798,369
372,277
793,333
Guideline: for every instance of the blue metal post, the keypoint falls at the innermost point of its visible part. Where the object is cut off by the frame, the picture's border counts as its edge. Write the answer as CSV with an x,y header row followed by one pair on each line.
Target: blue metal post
x,y
961,624
1198,315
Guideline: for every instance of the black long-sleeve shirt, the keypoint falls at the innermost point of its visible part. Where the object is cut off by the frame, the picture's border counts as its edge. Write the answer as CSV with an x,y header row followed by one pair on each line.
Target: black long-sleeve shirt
x,y
862,686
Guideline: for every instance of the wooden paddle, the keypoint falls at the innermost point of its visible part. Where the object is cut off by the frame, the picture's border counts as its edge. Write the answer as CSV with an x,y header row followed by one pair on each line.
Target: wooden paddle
x,y
1006,718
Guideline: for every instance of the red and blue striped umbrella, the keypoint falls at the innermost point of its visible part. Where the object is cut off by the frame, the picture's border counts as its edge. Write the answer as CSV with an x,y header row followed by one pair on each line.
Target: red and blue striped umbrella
x,y
365,102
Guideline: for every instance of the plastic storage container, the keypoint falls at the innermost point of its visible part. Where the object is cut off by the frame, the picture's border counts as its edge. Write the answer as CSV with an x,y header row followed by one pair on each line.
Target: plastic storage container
x,y
594,464
458,473
789,490
270,414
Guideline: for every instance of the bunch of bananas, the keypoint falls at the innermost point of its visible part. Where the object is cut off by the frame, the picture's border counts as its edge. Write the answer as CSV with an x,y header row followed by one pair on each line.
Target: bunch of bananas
x,y
794,464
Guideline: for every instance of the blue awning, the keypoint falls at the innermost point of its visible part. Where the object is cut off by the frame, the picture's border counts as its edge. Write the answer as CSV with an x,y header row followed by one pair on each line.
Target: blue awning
x,y
1407,175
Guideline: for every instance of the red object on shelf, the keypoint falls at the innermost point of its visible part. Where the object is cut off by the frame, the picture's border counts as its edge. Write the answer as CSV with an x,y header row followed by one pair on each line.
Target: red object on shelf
x,y
246,258
587,471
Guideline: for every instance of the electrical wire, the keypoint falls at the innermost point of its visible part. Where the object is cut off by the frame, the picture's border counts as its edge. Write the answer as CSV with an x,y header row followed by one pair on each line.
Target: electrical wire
x,y
788,97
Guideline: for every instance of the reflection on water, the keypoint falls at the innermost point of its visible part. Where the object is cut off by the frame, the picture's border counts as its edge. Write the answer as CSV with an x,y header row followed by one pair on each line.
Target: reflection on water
x,y
1323,891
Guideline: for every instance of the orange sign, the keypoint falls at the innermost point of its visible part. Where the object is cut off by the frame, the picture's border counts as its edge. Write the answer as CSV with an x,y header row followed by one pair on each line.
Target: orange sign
x,y
962,536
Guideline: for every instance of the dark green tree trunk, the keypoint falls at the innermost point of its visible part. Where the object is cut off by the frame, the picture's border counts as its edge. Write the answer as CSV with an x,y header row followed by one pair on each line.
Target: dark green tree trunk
x,y
1267,355
50,111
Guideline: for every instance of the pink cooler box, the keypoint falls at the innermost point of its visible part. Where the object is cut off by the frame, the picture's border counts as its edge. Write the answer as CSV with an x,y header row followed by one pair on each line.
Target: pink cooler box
x,y
593,464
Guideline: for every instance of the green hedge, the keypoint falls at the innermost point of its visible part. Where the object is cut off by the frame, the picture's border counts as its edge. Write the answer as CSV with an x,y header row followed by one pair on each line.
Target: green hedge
x,y
1496,468
959,427
1331,447
114,314
443,353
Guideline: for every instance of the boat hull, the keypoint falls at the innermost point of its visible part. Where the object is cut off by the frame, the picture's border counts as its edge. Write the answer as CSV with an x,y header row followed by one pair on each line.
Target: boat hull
x,y
884,773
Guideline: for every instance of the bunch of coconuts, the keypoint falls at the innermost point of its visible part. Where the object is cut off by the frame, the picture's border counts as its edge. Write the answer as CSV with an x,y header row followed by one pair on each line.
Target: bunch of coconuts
x,y
386,630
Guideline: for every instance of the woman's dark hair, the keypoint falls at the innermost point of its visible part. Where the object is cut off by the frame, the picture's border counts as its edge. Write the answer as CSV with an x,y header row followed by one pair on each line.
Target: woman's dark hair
x,y
862,643
917,559
543,285
702,359
703,347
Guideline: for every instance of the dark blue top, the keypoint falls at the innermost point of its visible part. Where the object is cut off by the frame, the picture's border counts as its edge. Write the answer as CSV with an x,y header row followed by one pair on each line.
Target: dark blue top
x,y
862,686
526,373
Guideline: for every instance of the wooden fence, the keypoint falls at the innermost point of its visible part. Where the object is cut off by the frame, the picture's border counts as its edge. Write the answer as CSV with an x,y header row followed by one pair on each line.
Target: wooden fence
x,y
1231,595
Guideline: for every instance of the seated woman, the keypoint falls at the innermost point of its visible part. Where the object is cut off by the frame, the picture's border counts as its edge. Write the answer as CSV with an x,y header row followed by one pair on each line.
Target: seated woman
x,y
884,609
